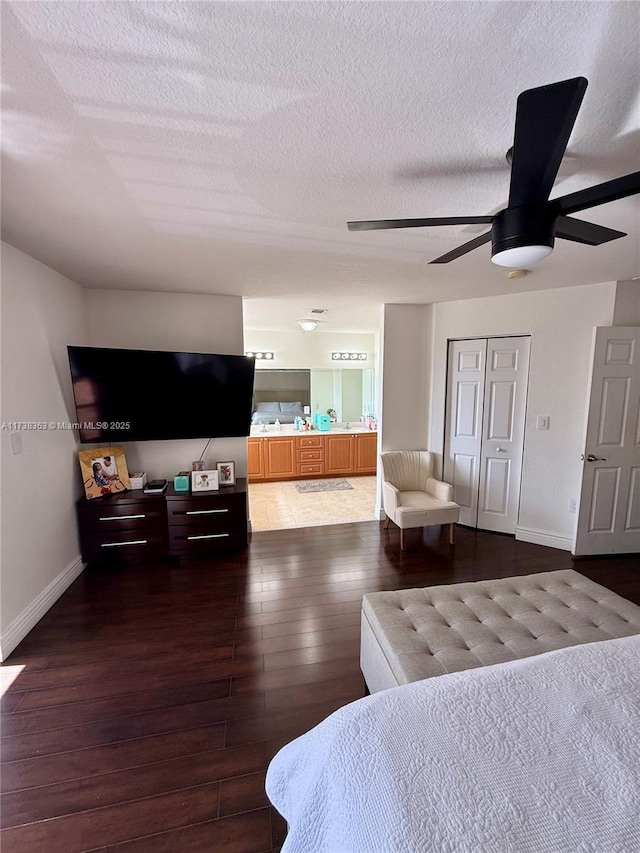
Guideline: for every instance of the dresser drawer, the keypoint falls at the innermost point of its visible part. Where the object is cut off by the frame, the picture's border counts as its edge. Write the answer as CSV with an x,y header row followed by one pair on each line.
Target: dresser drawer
x,y
184,541
123,545
133,519
304,441
305,468
310,455
220,513
135,515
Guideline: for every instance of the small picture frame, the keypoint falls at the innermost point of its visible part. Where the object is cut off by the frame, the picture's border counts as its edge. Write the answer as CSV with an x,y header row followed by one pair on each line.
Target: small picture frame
x,y
226,473
204,481
104,471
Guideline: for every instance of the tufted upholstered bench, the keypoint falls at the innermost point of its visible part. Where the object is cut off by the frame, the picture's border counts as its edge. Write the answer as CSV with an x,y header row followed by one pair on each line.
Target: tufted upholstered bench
x,y
413,634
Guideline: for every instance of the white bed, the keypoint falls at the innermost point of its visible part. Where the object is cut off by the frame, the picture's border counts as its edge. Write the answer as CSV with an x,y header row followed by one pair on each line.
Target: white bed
x,y
540,755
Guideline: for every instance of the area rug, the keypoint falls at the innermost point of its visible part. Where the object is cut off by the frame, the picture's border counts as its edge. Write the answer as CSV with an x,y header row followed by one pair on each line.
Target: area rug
x,y
339,485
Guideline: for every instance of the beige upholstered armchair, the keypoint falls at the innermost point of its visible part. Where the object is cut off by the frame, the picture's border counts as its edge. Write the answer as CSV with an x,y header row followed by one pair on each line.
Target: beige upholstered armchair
x,y
410,495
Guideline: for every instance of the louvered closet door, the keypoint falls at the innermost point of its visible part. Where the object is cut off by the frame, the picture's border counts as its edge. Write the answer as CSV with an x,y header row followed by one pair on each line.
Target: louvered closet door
x,y
486,403
465,394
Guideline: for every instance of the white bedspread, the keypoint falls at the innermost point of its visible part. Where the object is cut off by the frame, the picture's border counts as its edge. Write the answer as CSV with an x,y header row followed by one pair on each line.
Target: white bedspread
x,y
541,754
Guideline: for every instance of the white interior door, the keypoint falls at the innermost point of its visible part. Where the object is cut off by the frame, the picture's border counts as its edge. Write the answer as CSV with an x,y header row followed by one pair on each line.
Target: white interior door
x,y
609,512
484,437
463,440
505,402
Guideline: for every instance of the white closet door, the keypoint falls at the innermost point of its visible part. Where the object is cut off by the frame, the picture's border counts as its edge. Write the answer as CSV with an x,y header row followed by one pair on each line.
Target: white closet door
x,y
465,392
505,401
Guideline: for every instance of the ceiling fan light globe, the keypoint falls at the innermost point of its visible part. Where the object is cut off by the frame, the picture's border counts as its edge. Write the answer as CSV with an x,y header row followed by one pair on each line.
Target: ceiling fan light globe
x,y
521,256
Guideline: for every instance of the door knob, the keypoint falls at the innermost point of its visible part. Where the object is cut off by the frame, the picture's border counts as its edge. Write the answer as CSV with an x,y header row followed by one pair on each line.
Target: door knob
x,y
500,450
592,458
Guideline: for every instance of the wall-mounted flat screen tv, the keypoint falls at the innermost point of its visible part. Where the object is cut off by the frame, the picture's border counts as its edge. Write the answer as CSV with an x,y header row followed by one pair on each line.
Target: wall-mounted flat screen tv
x,y
144,395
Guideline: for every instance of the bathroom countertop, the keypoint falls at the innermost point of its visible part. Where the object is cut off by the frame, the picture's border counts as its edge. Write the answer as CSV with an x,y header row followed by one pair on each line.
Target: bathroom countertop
x,y
287,429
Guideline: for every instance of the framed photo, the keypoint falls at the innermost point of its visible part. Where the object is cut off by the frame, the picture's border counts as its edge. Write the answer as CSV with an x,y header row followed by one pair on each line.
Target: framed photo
x,y
104,471
204,481
226,473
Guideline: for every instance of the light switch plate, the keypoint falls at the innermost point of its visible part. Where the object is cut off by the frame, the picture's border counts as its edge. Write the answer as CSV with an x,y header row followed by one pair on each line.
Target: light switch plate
x,y
542,422
16,443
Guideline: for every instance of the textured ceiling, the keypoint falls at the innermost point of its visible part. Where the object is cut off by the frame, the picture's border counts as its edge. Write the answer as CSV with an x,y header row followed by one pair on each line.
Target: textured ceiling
x,y
222,147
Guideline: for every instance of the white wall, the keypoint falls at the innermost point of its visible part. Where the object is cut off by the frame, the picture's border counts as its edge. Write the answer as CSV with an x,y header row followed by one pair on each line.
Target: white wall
x,y
627,309
170,321
404,382
310,349
42,312
560,323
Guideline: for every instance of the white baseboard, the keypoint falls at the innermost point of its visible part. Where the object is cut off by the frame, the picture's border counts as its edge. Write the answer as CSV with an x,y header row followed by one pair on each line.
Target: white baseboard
x,y
33,613
380,513
539,537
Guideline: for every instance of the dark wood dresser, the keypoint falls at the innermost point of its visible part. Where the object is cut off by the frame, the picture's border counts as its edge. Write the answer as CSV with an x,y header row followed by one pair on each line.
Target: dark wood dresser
x,y
133,527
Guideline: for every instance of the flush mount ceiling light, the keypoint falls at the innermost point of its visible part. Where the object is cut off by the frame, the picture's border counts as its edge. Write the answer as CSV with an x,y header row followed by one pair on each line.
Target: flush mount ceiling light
x,y
307,325
522,256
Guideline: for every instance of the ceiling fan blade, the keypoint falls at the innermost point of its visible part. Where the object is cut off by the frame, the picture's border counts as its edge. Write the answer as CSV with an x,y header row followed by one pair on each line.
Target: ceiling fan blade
x,y
462,250
599,194
544,120
377,224
585,232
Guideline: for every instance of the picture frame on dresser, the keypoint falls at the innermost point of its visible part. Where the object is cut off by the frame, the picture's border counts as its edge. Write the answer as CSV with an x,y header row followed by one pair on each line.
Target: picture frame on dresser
x,y
104,471
204,481
226,473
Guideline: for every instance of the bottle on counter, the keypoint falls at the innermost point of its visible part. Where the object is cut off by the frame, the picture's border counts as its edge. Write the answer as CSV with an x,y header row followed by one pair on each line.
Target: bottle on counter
x,y
277,425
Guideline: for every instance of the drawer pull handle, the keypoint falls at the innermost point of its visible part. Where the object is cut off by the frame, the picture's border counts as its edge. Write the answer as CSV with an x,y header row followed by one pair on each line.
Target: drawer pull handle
x,y
122,544
121,517
208,536
204,511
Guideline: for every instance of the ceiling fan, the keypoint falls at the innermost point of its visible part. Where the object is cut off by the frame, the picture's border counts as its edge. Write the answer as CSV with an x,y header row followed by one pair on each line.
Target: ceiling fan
x,y
524,232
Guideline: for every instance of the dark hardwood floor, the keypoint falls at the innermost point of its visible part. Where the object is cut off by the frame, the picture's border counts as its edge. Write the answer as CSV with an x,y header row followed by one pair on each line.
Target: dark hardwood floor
x,y
141,713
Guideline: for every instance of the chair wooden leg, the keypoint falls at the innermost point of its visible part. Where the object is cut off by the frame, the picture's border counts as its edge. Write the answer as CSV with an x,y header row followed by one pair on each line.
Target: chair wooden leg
x,y
402,539
452,533
386,522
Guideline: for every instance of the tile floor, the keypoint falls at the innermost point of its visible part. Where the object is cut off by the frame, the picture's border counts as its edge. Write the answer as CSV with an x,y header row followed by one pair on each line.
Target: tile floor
x,y
273,506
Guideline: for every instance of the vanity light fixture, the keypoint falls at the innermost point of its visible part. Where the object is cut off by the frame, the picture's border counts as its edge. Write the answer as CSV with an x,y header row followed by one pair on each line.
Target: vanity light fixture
x,y
259,355
348,356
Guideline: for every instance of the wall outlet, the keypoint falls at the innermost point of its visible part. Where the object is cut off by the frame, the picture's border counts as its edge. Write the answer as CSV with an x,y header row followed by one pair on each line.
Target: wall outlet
x,y
542,422
573,505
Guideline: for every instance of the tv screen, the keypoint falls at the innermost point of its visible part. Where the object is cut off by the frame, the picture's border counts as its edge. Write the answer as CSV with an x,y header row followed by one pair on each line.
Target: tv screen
x,y
142,395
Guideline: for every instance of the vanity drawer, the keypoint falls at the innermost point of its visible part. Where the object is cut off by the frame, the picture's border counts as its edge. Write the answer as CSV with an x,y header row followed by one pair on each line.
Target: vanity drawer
x,y
310,455
305,441
310,468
